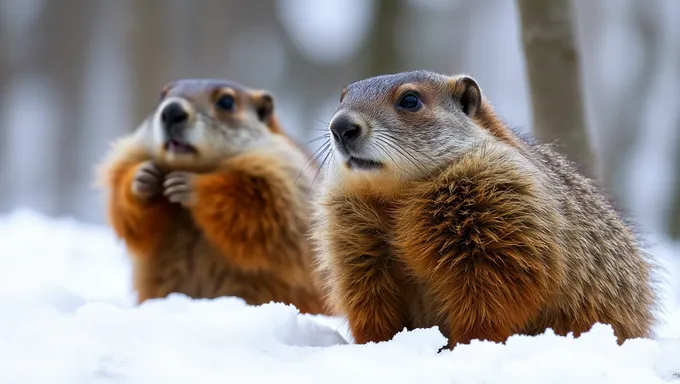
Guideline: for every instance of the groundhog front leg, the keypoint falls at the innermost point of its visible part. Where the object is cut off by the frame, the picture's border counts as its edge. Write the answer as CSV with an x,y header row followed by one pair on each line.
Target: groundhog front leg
x,y
242,214
137,211
484,250
365,281
372,298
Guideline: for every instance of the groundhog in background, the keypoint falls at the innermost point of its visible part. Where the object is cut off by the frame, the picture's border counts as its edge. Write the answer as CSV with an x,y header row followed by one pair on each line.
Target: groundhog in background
x,y
435,213
208,196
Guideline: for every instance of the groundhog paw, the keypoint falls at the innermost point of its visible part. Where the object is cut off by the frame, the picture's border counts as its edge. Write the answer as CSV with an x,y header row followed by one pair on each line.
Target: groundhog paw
x,y
178,188
148,181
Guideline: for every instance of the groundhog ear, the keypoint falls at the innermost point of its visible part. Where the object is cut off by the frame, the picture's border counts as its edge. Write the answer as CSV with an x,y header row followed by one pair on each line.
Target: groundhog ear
x,y
343,93
467,93
264,106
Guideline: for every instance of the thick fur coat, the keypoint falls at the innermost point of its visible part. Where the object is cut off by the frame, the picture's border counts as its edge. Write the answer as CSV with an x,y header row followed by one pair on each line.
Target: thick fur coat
x,y
230,217
450,219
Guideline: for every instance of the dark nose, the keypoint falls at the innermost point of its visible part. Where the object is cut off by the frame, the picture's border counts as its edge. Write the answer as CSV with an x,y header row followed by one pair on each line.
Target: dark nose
x,y
173,114
345,129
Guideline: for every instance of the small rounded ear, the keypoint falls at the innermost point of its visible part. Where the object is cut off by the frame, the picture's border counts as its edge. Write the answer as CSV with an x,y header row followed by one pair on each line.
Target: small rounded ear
x,y
466,91
343,93
264,106
165,90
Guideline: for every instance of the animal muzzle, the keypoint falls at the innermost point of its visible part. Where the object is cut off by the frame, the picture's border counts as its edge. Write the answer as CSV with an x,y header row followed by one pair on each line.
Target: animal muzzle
x,y
174,119
347,131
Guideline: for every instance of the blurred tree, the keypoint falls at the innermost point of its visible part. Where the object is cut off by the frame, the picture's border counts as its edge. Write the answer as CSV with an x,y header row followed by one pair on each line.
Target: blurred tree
x,y
215,25
4,81
148,39
169,40
621,116
552,63
674,214
625,123
314,83
4,56
379,49
64,33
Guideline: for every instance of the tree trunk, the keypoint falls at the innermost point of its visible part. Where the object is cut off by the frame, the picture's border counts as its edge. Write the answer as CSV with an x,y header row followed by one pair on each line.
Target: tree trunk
x,y
215,29
150,59
627,122
379,47
4,57
4,136
62,55
674,214
552,63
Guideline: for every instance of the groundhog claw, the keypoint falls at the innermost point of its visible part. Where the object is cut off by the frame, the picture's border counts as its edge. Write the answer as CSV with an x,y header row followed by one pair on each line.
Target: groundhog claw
x,y
178,188
147,181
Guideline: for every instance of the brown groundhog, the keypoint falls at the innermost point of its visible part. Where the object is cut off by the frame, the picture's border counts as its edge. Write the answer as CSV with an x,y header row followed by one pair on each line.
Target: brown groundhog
x,y
437,214
208,196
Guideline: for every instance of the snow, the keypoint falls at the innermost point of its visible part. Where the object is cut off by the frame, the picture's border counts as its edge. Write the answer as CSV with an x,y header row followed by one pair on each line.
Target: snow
x,y
68,316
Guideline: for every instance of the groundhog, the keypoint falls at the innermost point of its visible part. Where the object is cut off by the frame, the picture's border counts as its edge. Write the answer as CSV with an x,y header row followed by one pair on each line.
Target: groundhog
x,y
435,213
210,197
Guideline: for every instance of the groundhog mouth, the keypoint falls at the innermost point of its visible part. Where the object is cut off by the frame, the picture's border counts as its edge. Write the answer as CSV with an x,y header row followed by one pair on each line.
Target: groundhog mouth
x,y
364,164
177,146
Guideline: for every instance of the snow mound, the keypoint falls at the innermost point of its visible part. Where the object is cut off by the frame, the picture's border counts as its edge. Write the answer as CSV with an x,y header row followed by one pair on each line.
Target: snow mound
x,y
68,316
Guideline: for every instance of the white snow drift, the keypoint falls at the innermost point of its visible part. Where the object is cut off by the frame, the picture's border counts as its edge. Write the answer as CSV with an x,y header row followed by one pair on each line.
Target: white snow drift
x,y
68,316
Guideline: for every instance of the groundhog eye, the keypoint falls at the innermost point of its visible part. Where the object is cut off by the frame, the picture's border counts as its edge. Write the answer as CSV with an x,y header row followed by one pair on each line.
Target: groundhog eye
x,y
226,102
410,102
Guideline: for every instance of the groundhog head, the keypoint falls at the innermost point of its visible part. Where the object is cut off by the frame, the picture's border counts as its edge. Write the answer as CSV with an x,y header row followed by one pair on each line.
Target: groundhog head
x,y
204,121
404,126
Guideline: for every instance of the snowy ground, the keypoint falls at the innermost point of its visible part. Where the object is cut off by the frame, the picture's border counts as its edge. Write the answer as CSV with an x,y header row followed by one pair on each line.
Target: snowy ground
x,y
68,317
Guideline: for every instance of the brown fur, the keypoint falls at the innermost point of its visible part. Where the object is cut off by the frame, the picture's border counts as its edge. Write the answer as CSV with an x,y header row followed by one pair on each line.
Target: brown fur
x,y
241,226
505,237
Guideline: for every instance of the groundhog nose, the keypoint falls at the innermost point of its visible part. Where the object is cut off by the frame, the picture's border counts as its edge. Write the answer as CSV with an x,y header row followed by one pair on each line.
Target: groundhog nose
x,y
345,129
173,114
